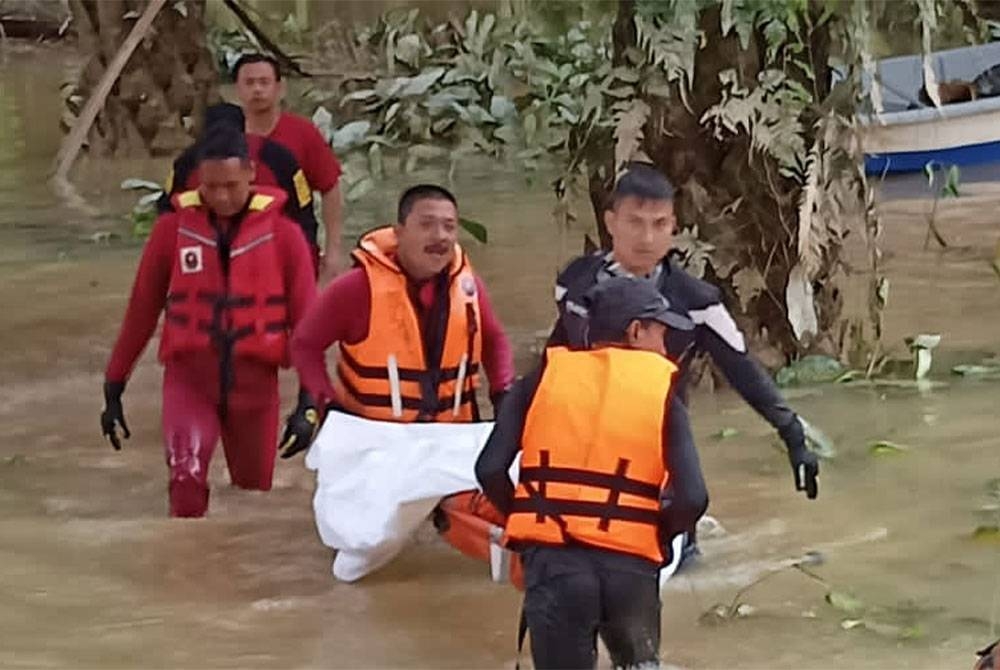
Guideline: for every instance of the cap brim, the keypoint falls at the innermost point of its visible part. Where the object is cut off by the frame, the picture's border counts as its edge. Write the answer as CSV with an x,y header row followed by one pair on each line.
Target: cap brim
x,y
673,320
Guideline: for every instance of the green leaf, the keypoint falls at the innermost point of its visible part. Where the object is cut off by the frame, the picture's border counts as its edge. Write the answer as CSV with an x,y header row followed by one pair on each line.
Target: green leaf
x,y
886,448
474,228
813,369
421,83
976,370
361,94
137,184
350,135
375,163
845,602
726,433
986,533
502,108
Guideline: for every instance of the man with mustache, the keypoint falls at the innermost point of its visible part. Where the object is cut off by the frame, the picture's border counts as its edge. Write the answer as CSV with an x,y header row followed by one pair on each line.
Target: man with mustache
x,y
260,88
412,322
641,223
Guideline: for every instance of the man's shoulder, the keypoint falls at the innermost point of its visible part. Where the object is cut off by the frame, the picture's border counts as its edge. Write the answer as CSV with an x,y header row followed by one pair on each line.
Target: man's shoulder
x,y
696,293
580,267
298,124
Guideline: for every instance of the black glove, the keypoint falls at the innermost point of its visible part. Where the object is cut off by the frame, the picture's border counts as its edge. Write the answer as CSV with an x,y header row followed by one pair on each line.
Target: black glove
x,y
300,427
113,413
805,463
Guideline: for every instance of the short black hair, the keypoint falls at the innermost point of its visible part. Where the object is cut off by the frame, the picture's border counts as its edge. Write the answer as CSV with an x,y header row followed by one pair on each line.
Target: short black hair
x,y
250,59
643,181
414,194
225,113
223,141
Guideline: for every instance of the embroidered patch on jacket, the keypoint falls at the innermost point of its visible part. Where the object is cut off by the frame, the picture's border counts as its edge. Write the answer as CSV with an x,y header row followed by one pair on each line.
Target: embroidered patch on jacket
x,y
302,190
191,260
469,286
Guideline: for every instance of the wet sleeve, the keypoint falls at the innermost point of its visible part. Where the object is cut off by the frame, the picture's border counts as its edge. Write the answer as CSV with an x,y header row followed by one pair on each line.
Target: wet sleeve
x,y
719,337
559,337
685,498
504,443
298,274
340,314
498,358
149,295
321,167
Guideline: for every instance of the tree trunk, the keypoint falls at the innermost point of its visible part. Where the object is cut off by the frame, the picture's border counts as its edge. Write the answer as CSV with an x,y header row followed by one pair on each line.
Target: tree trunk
x,y
165,86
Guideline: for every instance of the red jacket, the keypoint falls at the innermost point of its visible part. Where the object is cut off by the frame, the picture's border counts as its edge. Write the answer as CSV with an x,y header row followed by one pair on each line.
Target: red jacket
x,y
270,266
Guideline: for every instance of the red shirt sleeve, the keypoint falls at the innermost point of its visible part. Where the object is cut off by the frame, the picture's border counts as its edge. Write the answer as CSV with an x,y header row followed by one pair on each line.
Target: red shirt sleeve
x,y
322,169
498,358
149,294
298,273
317,160
340,314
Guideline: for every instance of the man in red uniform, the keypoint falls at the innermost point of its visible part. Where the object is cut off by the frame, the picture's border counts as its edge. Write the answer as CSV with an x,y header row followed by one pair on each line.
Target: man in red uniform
x,y
260,89
235,278
274,165
412,321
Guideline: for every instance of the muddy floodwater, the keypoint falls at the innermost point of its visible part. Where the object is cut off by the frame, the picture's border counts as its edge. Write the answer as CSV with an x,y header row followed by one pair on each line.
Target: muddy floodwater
x,y
93,574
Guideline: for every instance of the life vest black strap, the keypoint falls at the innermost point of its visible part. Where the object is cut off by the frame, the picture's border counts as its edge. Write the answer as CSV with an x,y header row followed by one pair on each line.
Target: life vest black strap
x,y
179,296
275,327
556,507
405,374
275,300
225,301
179,319
228,336
617,482
408,402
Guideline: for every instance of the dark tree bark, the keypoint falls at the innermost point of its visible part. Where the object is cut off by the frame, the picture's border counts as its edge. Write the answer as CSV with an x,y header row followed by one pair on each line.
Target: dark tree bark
x,y
163,90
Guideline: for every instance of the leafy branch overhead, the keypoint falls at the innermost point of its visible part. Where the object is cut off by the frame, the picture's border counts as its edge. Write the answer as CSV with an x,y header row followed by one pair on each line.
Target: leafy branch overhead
x,y
764,147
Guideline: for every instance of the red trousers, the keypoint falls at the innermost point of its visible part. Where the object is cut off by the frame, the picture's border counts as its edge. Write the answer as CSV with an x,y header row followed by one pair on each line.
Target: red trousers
x,y
192,427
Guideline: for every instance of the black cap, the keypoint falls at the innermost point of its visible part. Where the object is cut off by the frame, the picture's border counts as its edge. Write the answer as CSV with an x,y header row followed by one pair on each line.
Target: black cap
x,y
225,113
616,302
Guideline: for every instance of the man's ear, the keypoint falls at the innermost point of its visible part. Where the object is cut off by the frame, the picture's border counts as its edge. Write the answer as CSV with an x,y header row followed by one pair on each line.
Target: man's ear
x,y
609,220
632,332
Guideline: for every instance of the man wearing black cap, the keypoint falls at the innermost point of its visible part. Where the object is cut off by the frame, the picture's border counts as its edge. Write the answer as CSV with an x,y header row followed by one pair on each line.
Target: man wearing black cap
x,y
595,427
641,222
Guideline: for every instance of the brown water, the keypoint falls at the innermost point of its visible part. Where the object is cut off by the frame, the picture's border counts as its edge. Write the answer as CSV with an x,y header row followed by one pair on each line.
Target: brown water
x,y
93,574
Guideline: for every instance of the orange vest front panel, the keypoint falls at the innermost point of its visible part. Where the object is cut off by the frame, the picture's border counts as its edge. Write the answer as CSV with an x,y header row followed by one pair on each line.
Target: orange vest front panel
x,y
592,452
392,354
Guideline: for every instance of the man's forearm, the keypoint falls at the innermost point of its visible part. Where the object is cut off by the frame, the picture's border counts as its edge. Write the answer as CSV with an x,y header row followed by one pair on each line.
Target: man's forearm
x,y
750,380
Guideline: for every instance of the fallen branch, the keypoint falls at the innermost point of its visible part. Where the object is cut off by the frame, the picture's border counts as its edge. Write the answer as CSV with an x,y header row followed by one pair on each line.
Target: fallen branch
x,y
286,61
71,145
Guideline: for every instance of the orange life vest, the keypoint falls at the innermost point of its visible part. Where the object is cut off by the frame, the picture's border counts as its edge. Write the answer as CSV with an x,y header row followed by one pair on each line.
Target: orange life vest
x,y
386,376
209,308
592,453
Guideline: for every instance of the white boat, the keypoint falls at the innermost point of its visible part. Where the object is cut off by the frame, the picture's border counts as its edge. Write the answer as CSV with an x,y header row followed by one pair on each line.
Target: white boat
x,y
906,133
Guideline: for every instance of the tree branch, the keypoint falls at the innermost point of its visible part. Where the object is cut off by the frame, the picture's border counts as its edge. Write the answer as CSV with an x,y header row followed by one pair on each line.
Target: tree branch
x,y
286,61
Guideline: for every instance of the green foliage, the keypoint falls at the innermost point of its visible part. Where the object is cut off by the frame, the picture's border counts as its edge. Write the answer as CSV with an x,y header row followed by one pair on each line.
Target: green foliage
x,y
143,214
488,86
